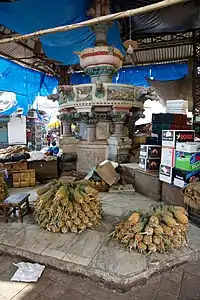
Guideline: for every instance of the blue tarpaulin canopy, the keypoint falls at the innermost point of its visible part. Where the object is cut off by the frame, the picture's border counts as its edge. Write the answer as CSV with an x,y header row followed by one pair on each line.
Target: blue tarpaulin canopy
x,y
25,16
137,75
27,84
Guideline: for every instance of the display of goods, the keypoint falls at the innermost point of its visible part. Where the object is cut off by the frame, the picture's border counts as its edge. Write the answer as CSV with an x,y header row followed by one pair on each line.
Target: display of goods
x,y
181,178
187,161
188,147
163,228
3,189
159,127
24,178
165,173
149,164
13,153
168,156
150,151
192,195
171,137
169,119
67,207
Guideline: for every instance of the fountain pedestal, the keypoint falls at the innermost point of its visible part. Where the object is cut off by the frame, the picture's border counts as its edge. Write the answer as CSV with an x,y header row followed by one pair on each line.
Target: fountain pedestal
x,y
102,109
100,105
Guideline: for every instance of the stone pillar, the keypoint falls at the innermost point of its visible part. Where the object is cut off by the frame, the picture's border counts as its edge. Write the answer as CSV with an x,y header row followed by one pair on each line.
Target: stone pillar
x,y
67,129
82,130
119,128
119,143
91,132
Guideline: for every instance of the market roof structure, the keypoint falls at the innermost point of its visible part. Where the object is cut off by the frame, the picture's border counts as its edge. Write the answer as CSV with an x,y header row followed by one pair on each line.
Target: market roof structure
x,y
161,35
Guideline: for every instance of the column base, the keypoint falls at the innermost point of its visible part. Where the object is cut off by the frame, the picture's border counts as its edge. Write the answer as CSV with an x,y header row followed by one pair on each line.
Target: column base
x,y
68,144
119,149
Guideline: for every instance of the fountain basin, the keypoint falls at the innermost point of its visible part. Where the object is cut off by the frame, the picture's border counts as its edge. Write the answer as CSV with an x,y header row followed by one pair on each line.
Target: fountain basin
x,y
101,55
98,94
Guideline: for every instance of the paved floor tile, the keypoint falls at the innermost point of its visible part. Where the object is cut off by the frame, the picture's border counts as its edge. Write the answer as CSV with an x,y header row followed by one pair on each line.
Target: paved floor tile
x,y
55,285
54,291
169,286
190,287
81,254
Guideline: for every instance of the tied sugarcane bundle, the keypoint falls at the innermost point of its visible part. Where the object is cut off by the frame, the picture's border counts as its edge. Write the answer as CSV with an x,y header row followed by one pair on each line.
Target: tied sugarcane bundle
x,y
67,207
163,228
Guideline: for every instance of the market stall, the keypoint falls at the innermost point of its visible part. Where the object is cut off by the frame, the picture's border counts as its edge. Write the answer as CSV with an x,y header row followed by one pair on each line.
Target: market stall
x,y
172,155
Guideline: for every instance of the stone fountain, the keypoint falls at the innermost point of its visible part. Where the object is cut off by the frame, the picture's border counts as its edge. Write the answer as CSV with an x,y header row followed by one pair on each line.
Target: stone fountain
x,y
101,107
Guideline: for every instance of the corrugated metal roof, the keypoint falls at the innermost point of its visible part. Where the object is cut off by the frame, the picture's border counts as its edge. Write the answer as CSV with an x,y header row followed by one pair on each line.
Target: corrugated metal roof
x,y
163,54
173,47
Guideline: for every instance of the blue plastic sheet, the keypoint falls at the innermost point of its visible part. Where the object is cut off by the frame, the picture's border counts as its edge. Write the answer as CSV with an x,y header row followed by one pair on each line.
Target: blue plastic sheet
x,y
27,84
137,75
26,16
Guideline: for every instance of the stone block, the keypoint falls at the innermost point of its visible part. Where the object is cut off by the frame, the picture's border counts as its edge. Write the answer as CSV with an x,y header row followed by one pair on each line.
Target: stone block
x,y
89,155
102,130
85,247
118,261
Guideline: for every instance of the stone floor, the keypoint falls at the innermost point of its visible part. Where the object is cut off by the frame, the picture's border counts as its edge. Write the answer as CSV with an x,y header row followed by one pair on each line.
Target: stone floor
x,y
181,283
92,253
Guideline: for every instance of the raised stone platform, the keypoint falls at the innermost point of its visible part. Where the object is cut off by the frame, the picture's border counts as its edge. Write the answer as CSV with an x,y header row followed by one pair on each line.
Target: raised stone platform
x,y
92,253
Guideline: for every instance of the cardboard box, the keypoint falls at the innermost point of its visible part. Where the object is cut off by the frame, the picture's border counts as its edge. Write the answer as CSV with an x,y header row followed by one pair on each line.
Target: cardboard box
x,y
169,119
165,174
181,178
171,137
149,164
106,171
159,127
168,156
190,147
187,161
150,151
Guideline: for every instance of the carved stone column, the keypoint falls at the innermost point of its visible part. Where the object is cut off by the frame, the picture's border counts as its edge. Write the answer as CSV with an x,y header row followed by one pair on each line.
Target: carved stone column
x,y
67,129
119,143
91,132
66,120
90,120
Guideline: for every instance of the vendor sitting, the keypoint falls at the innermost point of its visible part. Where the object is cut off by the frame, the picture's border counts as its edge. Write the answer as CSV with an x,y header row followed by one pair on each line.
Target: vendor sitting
x,y
54,150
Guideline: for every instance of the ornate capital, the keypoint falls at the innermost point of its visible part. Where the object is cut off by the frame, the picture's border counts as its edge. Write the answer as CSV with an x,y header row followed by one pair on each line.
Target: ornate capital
x,y
118,117
98,71
68,118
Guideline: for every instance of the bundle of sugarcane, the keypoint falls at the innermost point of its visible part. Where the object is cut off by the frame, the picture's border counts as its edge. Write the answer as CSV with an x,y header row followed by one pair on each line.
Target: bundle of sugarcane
x,y
67,207
163,228
3,189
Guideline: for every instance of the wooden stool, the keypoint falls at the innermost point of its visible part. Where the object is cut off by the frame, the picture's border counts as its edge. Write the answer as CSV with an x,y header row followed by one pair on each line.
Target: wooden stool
x,y
15,202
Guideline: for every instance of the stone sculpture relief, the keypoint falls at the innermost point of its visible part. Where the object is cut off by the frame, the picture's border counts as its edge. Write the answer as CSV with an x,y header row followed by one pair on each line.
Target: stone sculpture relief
x,y
118,93
84,93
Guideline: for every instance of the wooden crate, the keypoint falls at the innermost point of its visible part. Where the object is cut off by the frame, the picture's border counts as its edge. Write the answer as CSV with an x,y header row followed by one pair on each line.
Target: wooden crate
x,y
24,178
7,166
44,170
18,166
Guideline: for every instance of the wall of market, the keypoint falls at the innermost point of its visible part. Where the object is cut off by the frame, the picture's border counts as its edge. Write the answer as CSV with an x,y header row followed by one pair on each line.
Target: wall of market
x,y
17,130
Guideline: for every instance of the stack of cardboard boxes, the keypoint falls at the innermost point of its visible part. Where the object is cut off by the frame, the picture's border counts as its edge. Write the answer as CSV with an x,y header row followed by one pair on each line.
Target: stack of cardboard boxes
x,y
172,160
149,159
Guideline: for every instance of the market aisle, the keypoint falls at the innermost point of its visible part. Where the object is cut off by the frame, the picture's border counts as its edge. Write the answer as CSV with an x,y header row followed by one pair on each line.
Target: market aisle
x,y
179,284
